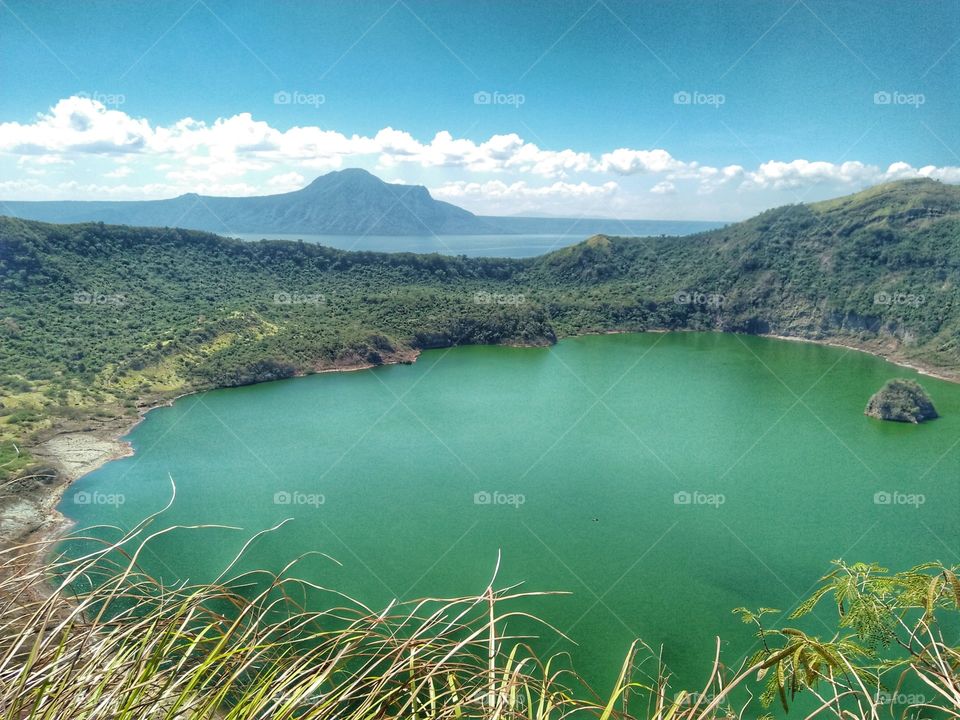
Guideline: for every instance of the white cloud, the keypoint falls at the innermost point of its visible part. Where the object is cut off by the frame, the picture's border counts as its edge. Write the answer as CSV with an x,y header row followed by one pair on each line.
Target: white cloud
x,y
901,170
799,174
802,173
25,160
73,189
76,125
120,172
286,182
240,155
495,197
625,161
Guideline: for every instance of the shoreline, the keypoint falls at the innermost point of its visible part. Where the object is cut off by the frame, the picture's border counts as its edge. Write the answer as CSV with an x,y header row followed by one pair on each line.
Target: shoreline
x,y
76,453
891,357
34,518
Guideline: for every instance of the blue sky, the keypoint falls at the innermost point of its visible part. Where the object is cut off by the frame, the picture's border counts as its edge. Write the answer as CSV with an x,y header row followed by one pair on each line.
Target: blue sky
x,y
643,109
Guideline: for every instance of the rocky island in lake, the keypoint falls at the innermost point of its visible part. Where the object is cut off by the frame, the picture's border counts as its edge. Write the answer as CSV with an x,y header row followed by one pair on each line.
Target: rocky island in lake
x,y
901,400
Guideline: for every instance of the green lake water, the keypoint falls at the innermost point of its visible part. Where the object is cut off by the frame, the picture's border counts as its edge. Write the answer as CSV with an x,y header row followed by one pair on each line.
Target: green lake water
x,y
661,479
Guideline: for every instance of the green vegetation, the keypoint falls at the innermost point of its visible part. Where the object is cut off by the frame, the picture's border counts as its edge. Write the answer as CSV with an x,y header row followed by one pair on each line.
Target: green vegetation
x,y
901,400
96,320
96,638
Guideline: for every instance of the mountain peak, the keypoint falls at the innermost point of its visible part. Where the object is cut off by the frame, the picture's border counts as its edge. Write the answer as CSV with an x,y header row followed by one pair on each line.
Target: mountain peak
x,y
354,176
352,201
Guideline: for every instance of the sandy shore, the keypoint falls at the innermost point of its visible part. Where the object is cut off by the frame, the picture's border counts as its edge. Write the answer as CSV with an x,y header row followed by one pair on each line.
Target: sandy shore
x,y
28,511
890,355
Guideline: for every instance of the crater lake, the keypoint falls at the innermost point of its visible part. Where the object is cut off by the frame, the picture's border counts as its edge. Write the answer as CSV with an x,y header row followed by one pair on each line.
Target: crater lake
x,y
661,479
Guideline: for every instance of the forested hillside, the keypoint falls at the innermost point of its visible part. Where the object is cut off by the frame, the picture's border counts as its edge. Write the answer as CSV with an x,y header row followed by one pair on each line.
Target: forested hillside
x,y
96,319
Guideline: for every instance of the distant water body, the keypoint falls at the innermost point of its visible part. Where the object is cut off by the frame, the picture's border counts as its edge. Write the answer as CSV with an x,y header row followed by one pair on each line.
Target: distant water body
x,y
506,245
663,479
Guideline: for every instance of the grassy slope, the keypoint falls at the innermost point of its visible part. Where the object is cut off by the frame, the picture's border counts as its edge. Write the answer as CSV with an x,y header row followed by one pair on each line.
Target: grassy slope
x,y
178,310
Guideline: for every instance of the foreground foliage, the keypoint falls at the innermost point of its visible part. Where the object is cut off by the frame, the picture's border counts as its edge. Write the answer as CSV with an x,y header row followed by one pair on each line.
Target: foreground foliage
x,y
91,636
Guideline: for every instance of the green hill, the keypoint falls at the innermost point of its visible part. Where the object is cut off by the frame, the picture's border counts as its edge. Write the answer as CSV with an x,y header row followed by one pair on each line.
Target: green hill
x,y
97,319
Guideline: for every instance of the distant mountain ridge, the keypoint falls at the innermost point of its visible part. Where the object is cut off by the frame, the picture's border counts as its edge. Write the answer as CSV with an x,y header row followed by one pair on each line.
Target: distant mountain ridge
x,y
343,202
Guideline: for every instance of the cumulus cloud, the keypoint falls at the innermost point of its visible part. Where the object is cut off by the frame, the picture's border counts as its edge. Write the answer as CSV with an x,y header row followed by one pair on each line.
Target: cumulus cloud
x,y
901,170
625,161
31,189
495,197
243,155
234,145
664,187
76,124
120,172
499,153
803,173
286,182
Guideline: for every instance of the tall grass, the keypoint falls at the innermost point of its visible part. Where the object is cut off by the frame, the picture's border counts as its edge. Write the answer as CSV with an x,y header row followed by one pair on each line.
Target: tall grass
x,y
93,636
